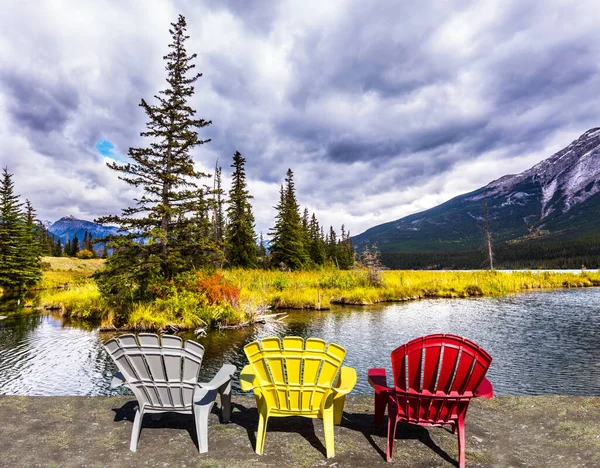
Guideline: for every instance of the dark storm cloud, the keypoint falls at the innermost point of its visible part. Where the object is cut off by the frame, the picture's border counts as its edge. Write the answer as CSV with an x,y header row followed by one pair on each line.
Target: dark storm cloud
x,y
39,103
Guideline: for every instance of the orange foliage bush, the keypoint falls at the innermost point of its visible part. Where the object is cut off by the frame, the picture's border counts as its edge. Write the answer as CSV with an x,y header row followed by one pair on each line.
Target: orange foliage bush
x,y
215,287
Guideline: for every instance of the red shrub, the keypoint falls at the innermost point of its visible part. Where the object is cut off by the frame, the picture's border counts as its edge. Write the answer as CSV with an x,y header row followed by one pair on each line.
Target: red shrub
x,y
216,289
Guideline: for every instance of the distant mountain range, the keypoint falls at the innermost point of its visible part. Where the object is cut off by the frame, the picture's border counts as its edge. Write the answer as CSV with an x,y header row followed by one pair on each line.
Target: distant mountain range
x,y
69,227
548,215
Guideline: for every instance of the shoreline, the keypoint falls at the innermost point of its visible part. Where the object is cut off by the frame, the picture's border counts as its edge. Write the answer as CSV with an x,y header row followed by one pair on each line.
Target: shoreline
x,y
261,291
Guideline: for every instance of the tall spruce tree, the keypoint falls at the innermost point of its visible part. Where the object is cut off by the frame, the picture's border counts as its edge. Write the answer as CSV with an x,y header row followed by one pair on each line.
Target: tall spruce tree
x,y
332,248
57,250
287,240
156,245
218,221
11,218
345,251
262,252
240,236
75,246
31,249
317,244
19,249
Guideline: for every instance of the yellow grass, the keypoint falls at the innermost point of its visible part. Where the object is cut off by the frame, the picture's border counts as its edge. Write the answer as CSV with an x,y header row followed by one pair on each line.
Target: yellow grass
x,y
73,264
62,272
298,290
302,290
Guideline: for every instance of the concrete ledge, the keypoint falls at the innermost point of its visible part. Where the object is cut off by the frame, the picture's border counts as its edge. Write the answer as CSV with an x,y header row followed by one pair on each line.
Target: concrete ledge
x,y
94,431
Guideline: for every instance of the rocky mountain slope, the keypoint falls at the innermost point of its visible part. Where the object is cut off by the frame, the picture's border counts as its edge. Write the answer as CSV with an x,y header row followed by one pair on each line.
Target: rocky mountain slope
x,y
557,199
69,226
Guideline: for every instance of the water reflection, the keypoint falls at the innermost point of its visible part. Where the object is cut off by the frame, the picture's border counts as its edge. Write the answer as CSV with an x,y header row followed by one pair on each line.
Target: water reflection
x,y
541,343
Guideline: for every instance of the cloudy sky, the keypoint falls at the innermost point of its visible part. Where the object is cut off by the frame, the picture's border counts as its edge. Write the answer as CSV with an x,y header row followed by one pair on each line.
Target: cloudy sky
x,y
381,109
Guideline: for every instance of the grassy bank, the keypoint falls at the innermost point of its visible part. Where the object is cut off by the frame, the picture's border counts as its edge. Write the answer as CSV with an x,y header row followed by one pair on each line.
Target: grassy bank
x,y
308,290
67,287
74,294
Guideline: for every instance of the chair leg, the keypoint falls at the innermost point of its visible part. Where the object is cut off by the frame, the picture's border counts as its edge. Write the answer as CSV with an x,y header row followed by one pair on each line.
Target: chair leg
x,y
328,425
392,423
338,409
381,401
261,432
461,443
201,413
136,429
225,393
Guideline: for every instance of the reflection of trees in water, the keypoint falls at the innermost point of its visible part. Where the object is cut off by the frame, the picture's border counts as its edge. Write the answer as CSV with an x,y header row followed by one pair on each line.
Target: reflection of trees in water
x,y
19,322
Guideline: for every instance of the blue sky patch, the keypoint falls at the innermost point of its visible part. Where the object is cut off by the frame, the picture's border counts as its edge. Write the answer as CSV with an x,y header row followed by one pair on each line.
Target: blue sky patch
x,y
105,147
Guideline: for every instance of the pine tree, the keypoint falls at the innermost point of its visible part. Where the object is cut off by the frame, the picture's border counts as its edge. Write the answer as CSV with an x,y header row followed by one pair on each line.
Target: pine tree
x,y
157,246
317,245
19,249
198,246
305,230
31,249
217,202
263,254
74,246
332,250
345,250
240,236
68,250
57,251
287,246
11,270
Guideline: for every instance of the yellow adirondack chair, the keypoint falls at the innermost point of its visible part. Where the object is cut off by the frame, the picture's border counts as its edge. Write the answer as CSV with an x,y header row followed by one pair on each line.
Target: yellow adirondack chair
x,y
294,378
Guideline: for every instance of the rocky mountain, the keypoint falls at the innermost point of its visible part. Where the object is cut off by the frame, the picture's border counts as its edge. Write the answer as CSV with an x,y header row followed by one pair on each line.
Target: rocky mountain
x,y
558,199
69,226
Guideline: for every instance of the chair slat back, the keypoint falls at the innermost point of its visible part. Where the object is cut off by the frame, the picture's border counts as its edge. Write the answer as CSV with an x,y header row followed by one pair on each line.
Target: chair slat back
x,y
435,376
293,374
161,372
446,363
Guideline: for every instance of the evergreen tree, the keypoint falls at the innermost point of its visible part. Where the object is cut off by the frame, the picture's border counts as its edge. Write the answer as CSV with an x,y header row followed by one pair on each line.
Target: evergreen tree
x,y
31,249
19,249
11,269
57,251
199,248
68,249
287,245
305,230
345,250
157,246
74,246
264,255
240,236
332,250
317,244
218,218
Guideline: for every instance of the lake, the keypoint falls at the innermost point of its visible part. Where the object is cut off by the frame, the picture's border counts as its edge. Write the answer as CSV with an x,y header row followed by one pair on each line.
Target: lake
x,y
542,343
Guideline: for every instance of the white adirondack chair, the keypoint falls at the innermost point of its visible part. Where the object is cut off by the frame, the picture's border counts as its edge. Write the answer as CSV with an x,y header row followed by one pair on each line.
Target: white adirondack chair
x,y
163,376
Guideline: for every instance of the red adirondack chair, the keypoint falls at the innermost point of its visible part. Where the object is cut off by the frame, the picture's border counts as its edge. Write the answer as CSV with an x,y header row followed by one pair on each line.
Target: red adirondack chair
x,y
435,378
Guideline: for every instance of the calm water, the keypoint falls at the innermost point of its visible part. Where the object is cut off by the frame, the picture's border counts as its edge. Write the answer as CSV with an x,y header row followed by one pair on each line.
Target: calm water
x,y
541,343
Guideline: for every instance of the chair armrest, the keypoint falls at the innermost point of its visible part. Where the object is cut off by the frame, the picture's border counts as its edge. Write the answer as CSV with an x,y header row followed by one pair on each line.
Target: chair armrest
x,y
346,380
378,379
117,380
222,377
485,389
248,378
